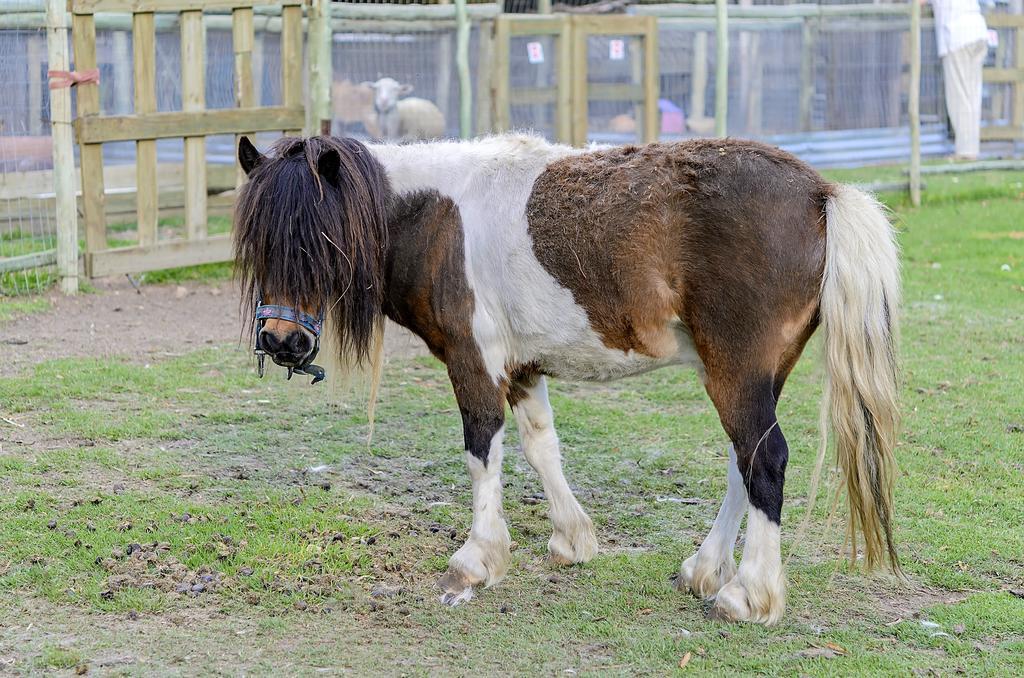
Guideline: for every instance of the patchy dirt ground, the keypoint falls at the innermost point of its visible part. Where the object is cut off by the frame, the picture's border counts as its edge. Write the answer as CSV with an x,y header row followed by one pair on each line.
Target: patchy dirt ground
x,y
156,321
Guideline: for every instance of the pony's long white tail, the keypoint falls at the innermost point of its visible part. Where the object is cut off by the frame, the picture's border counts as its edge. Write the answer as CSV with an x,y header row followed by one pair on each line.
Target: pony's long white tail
x,y
860,297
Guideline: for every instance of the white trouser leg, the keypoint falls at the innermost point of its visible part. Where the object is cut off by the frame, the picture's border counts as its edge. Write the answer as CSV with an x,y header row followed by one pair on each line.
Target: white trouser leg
x,y
962,72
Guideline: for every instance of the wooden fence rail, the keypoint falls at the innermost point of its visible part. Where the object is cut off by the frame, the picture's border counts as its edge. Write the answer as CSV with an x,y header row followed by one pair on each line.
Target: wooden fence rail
x,y
193,123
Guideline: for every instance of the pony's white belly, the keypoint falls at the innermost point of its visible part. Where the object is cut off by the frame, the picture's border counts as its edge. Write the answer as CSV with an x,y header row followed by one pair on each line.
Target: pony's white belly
x,y
590,360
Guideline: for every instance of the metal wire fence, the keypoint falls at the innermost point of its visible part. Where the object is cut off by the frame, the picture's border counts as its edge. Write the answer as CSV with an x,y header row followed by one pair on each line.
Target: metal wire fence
x,y
27,229
832,88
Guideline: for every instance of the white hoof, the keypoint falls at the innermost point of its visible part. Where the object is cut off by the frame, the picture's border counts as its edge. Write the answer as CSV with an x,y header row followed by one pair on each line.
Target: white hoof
x,y
751,600
574,541
456,598
705,576
477,563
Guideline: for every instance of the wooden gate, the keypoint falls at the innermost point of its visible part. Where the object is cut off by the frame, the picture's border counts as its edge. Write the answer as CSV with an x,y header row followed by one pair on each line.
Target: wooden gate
x,y
573,91
193,123
1013,76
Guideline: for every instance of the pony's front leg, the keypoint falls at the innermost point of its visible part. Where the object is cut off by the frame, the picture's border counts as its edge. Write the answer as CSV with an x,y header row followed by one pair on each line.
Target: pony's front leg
x,y
484,558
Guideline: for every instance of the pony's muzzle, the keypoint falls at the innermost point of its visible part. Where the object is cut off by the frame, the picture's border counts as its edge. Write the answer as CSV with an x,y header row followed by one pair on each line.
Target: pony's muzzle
x,y
289,349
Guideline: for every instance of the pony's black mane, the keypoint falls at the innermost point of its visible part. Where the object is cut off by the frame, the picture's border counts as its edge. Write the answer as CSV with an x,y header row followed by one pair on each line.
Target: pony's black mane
x,y
310,231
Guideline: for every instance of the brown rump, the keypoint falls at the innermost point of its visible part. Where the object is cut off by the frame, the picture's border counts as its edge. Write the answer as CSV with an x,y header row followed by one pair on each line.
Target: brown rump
x,y
727,236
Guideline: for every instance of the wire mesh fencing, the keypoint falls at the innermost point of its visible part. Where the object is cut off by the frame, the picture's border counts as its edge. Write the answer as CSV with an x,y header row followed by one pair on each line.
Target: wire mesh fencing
x,y
27,220
420,55
830,86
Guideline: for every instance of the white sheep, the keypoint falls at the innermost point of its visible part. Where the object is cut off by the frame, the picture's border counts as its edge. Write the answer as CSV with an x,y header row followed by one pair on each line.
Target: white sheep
x,y
409,119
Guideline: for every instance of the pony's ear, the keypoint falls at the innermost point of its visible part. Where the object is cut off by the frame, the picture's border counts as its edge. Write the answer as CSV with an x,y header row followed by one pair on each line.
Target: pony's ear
x,y
248,157
328,165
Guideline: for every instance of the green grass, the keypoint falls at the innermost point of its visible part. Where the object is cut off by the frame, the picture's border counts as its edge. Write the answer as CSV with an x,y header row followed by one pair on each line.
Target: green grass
x,y
198,457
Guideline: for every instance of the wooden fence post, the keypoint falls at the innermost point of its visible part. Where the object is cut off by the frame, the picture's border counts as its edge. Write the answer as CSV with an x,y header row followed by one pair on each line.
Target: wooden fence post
x,y
320,67
193,98
462,64
83,39
242,40
63,150
291,57
652,113
721,67
914,103
144,47
500,71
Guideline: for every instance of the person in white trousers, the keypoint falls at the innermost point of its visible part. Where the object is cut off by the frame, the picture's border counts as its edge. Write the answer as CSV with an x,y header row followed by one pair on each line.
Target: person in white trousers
x,y
962,38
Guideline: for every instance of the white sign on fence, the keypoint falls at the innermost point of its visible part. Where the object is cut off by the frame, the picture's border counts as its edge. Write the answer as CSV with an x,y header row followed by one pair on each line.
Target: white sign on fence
x,y
617,50
535,52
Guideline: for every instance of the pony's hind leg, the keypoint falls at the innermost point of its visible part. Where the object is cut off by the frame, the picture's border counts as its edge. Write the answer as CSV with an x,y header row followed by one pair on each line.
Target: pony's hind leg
x,y
572,539
483,559
708,570
757,592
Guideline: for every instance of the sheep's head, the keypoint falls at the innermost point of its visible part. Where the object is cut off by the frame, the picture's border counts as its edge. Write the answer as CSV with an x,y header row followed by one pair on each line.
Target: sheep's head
x,y
387,92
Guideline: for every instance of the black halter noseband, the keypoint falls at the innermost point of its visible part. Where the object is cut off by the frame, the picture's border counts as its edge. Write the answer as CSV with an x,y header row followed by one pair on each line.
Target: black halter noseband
x,y
265,312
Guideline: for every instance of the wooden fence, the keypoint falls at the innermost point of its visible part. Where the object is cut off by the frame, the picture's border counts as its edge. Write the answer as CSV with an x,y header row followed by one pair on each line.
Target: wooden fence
x,y
193,123
572,91
1013,76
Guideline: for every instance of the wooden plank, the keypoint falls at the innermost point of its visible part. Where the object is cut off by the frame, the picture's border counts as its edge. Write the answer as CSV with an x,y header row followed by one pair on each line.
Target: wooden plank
x,y
502,47
411,11
652,114
580,99
193,100
162,255
564,75
173,124
1004,20
1002,133
63,184
37,183
1003,74
319,67
24,261
532,24
914,104
807,49
610,24
1018,88
84,7
773,11
721,67
83,40
527,96
144,47
291,60
443,82
462,68
242,39
485,71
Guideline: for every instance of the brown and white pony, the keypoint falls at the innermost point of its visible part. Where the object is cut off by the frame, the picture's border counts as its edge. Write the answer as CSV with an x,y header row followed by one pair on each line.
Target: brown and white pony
x,y
515,259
